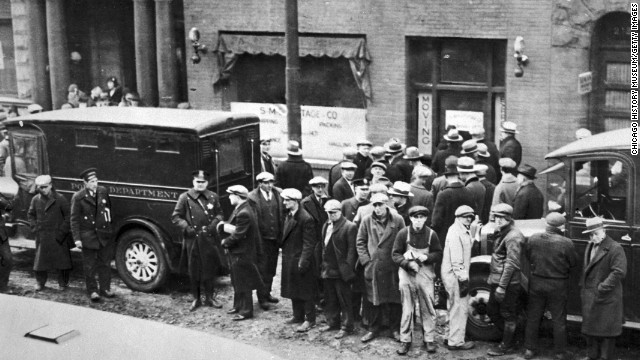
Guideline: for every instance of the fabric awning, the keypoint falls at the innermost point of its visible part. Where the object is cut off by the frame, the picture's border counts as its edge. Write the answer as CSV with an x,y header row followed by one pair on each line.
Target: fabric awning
x,y
230,46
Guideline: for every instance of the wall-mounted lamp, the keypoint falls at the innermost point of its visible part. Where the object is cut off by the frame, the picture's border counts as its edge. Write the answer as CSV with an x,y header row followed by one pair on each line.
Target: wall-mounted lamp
x,y
194,36
521,58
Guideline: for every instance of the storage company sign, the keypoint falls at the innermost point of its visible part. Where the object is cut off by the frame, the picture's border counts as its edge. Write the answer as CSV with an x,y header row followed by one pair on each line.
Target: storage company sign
x,y
326,131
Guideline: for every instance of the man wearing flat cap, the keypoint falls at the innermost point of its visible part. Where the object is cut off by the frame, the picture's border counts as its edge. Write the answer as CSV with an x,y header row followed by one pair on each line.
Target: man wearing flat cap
x,y
314,205
338,245
416,250
197,213
335,173
506,189
504,278
509,146
92,232
528,202
48,216
294,172
376,171
266,160
454,141
399,168
267,203
363,159
299,274
552,257
361,198
604,268
343,188
377,155
456,261
400,194
243,252
451,197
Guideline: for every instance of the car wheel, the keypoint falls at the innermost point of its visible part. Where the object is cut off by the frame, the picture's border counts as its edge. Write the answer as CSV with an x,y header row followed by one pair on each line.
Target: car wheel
x,y
479,325
140,261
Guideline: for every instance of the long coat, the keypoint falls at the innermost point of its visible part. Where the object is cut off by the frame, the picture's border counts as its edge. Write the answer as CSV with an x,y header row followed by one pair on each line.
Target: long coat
x,y
243,246
342,190
363,163
374,252
528,202
399,170
478,191
316,211
601,289
339,254
350,207
49,220
488,198
200,251
452,149
298,261
510,147
505,191
91,218
295,173
448,200
494,157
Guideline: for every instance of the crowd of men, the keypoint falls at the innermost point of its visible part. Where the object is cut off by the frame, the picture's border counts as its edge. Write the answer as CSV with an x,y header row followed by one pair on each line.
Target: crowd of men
x,y
367,244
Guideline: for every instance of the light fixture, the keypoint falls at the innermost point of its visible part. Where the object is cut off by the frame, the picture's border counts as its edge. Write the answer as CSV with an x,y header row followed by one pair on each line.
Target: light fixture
x,y
521,58
194,36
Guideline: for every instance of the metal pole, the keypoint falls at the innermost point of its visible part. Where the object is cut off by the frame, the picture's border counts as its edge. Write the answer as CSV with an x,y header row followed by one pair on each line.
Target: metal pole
x,y
292,71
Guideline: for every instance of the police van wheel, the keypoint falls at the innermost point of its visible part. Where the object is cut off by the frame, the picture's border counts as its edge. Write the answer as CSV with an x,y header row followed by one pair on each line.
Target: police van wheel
x,y
479,325
140,261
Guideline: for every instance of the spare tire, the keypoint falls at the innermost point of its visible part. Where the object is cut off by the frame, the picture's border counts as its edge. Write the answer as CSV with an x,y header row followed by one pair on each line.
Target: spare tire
x,y
479,325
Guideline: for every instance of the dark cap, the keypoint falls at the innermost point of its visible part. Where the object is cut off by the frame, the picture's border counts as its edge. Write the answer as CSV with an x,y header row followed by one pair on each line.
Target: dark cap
x,y
201,175
89,174
528,171
360,183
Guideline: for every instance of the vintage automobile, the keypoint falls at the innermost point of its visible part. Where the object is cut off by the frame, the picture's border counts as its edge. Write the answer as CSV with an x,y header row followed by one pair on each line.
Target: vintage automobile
x,y
144,157
594,176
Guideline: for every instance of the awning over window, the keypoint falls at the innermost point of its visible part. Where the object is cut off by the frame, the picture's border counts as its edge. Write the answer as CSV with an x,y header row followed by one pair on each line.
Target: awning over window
x,y
230,46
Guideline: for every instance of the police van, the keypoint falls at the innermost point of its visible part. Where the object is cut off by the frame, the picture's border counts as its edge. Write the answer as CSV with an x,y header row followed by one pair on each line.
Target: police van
x,y
144,157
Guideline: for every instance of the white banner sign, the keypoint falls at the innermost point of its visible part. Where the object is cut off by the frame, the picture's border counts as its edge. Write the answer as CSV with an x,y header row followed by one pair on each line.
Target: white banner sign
x,y
465,120
326,131
425,123
1,57
585,81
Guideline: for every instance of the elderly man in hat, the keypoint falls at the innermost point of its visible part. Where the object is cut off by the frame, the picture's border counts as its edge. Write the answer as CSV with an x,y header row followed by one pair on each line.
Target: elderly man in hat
x,y
338,244
467,169
416,250
267,203
335,173
266,160
374,242
114,91
400,194
508,185
243,252
294,172
509,146
504,278
363,158
343,188
299,277
48,216
456,261
349,207
490,188
196,214
484,158
551,257
604,268
454,195
453,140
399,168
528,202
92,232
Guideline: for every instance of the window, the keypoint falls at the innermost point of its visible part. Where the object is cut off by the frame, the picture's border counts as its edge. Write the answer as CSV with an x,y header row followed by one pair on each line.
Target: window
x,y
26,154
8,80
166,143
87,138
601,189
125,140
231,155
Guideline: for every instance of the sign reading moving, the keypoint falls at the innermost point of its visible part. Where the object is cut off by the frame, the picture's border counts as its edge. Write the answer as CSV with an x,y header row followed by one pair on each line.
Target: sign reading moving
x,y
326,131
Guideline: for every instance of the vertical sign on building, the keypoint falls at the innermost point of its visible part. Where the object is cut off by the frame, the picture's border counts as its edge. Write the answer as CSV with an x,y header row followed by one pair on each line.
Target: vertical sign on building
x,y
425,123
585,81
1,57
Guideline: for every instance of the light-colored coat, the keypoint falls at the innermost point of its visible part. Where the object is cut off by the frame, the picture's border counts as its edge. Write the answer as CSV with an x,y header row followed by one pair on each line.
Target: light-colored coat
x,y
456,257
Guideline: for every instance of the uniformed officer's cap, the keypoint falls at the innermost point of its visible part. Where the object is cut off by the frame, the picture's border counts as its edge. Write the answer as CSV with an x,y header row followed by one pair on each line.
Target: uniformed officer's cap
x,y
418,210
346,165
318,180
464,210
502,210
265,176
200,175
291,194
332,206
89,174
238,190
507,163
361,183
379,164
43,180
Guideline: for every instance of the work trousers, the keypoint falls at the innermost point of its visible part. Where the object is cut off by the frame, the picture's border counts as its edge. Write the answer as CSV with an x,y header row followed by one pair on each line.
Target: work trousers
x,y
551,294
97,262
458,311
63,277
243,302
268,266
600,347
419,285
338,308
6,264
505,314
206,285
304,310
384,314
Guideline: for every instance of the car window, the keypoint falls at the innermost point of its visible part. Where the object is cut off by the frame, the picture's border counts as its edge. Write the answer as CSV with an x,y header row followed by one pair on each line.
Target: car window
x,y
601,189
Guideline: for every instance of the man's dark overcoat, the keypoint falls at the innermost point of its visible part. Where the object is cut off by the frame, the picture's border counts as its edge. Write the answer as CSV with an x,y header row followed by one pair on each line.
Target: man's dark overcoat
x,y
449,199
299,278
478,191
488,198
295,173
316,210
342,190
510,147
49,220
91,218
350,207
339,254
399,169
528,202
363,163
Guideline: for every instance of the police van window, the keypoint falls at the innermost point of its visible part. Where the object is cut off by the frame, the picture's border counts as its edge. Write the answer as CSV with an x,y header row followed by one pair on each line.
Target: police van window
x,y
87,138
601,189
166,143
233,159
125,140
26,154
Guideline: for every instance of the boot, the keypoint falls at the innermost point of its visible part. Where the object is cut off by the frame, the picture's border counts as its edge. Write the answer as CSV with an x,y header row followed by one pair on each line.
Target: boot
x,y
506,346
212,301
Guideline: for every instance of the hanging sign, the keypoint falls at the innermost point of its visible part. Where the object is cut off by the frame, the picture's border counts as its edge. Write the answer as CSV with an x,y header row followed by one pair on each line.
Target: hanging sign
x,y
425,123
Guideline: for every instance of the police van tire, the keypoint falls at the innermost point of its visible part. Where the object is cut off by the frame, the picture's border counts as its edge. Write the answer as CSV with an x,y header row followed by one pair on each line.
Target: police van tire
x,y
479,326
140,261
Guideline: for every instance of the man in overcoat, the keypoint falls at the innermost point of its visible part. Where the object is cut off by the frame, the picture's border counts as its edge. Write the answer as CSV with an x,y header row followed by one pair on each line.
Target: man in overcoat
x,y
490,188
454,141
506,189
604,268
467,169
399,168
335,172
294,172
197,213
243,251
451,197
350,206
266,160
363,159
299,276
376,236
338,243
92,232
509,146
343,188
314,205
528,202
48,216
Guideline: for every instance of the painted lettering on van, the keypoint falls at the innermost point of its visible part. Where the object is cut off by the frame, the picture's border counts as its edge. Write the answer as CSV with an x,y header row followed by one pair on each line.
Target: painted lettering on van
x,y
135,191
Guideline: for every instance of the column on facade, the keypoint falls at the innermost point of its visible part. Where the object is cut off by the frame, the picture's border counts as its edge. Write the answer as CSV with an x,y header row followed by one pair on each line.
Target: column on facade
x,y
145,44
40,88
58,52
166,53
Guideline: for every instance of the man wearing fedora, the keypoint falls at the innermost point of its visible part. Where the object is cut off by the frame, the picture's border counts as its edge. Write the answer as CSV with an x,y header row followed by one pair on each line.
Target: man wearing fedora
x,y
494,154
399,168
508,185
604,268
266,160
451,163
528,202
343,188
484,158
551,257
349,207
197,214
294,172
400,194
335,173
470,149
451,197
363,159
90,222
467,169
453,140
509,146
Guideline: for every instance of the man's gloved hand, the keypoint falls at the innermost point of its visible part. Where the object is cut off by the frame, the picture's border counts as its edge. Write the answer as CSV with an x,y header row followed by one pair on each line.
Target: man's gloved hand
x,y
464,287
499,294
423,258
190,231
413,266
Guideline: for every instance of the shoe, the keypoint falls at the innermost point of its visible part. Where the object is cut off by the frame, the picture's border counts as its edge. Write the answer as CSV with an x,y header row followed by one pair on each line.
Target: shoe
x,y
404,348
529,354
430,346
294,321
265,306
212,302
306,326
239,317
468,345
395,335
108,294
94,297
341,334
329,328
194,305
232,311
272,299
500,350
39,287
368,337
